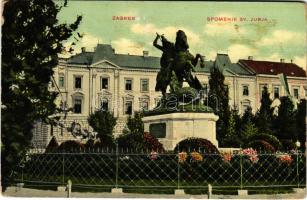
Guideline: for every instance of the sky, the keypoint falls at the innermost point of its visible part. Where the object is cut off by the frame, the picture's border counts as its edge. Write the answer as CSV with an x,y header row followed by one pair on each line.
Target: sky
x,y
281,32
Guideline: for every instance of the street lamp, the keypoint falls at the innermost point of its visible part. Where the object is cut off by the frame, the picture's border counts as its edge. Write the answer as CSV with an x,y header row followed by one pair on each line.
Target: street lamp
x,y
297,143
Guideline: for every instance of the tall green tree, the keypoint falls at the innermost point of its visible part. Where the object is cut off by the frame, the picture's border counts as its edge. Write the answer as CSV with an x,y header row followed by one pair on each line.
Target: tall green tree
x,y
248,127
264,116
219,101
232,138
135,124
286,120
247,116
32,38
103,122
301,122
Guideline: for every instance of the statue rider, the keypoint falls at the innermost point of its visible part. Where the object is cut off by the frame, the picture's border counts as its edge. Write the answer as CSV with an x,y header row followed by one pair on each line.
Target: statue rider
x,y
166,61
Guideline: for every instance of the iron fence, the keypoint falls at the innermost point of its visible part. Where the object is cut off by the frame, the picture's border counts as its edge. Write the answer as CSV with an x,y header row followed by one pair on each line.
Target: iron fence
x,y
129,169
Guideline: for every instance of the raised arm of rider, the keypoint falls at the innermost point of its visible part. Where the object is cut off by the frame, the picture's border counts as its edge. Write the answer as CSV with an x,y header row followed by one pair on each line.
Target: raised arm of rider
x,y
155,43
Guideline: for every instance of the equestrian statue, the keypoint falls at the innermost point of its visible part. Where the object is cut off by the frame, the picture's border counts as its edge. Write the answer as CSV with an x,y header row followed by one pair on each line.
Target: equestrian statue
x,y
177,66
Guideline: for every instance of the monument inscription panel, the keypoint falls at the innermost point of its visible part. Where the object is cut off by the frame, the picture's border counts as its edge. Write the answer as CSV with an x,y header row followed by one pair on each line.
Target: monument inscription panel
x,y
158,130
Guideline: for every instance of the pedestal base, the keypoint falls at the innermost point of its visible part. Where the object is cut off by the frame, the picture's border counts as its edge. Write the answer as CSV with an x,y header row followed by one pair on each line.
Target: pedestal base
x,y
171,128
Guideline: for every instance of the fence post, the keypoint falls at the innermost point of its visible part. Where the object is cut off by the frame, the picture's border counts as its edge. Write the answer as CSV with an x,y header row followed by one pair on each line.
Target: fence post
x,y
116,173
297,172
241,170
178,171
63,168
209,191
22,174
69,184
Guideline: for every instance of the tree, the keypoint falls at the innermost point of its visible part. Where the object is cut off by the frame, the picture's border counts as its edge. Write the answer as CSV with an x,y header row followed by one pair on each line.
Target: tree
x,y
264,116
248,116
31,41
103,122
231,128
286,120
219,101
231,134
248,130
135,125
248,127
301,122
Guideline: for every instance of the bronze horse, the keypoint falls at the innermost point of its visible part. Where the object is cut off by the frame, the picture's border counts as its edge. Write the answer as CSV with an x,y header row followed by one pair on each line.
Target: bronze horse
x,y
176,58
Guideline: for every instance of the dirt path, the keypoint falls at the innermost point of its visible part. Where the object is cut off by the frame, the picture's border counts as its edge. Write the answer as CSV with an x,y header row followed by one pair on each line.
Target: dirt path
x,y
26,192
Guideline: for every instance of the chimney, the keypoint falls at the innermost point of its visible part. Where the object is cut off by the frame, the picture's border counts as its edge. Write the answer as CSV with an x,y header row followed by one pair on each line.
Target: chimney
x,y
282,60
83,49
145,53
250,57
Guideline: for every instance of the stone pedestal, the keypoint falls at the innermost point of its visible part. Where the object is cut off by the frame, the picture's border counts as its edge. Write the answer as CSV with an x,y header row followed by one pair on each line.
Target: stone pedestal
x,y
117,190
171,128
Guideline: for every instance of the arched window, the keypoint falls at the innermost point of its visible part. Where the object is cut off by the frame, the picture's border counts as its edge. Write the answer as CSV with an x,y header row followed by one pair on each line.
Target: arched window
x,y
144,103
77,101
245,104
128,105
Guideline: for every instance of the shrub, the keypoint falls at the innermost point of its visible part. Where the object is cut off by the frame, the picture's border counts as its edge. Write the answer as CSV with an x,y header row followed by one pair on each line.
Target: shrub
x,y
271,139
53,145
288,145
251,154
104,144
261,145
233,141
197,144
103,122
89,144
144,142
71,146
135,125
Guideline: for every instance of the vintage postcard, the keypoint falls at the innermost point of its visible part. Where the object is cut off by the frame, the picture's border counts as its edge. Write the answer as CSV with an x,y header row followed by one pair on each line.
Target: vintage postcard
x,y
157,99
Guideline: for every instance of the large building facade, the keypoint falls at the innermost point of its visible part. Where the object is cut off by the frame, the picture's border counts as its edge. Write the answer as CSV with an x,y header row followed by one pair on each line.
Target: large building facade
x,y
124,83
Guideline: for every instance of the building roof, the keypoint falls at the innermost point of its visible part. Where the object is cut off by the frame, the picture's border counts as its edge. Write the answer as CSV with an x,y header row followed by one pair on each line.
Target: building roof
x,y
106,52
83,58
273,68
223,61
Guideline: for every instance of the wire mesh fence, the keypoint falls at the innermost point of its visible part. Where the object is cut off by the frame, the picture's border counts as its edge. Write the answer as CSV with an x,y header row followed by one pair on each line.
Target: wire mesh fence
x,y
123,168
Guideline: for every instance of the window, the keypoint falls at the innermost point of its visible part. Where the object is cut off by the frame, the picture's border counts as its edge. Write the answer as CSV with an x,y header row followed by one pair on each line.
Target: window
x,y
144,85
262,90
128,108
144,105
245,105
276,92
104,105
104,83
78,82
295,93
205,90
128,84
61,82
245,90
77,105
